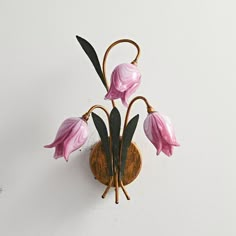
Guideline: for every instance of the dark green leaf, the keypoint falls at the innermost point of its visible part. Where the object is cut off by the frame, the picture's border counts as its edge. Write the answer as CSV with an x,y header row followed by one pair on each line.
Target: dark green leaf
x,y
126,141
102,131
91,53
115,121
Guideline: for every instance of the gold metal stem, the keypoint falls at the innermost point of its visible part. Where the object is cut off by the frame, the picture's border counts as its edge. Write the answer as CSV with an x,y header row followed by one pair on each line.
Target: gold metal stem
x,y
150,109
116,187
86,117
87,114
107,52
108,187
123,188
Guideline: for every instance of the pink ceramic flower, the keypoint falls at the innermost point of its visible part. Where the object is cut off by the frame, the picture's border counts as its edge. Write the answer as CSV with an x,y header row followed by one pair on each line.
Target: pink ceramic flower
x,y
160,132
125,79
71,135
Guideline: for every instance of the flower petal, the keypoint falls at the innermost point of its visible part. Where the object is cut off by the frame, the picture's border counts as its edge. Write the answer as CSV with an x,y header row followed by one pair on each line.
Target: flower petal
x,y
167,149
166,128
124,76
125,79
63,131
128,93
152,132
76,138
58,151
113,93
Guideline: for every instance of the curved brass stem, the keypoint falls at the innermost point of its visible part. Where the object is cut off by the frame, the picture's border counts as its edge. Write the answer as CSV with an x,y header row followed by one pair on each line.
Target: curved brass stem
x,y
150,109
86,117
87,114
107,52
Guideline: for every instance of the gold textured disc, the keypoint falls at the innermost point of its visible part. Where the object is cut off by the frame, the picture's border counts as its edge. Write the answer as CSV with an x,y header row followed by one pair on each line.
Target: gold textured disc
x,y
99,168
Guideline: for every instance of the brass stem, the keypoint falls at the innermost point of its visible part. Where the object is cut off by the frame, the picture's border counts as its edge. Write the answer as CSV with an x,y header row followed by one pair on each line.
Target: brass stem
x,y
108,187
86,117
123,188
150,109
116,187
87,114
107,52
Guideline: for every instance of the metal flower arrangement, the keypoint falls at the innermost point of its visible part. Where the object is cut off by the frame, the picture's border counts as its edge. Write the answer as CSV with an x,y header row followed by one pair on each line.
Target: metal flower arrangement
x,y
115,160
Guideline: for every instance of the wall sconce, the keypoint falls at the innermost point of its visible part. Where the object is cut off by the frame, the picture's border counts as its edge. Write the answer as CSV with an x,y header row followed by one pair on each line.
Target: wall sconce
x,y
115,160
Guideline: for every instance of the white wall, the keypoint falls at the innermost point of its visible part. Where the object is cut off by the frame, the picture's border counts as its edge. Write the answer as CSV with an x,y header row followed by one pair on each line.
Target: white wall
x,y
188,72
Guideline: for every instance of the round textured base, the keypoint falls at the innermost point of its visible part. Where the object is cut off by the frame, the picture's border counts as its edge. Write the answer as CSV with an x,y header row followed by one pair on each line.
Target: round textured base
x,y
99,168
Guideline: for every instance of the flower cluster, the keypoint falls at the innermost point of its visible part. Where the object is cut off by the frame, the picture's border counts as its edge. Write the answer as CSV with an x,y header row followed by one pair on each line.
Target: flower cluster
x,y
125,79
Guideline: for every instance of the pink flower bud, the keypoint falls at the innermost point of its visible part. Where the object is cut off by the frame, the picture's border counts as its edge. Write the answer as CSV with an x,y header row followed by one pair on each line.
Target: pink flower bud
x,y
125,79
160,132
71,135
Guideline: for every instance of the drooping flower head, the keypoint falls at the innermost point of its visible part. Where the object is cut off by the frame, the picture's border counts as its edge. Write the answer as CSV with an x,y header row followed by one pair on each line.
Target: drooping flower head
x,y
159,130
125,79
72,134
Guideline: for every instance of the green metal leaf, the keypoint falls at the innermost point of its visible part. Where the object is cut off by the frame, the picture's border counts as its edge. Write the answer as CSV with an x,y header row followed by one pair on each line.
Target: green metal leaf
x,y
91,53
115,122
102,131
126,141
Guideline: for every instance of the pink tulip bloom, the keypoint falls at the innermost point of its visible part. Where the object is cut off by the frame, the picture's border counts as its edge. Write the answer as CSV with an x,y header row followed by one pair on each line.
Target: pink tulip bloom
x,y
71,135
125,79
160,132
